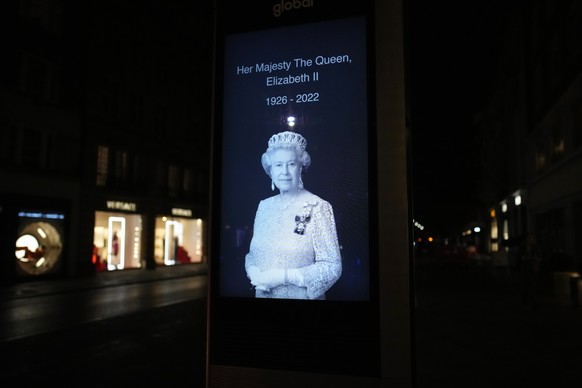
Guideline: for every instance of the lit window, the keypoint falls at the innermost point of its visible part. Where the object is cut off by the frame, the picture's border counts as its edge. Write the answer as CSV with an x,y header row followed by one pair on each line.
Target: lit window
x,y
494,230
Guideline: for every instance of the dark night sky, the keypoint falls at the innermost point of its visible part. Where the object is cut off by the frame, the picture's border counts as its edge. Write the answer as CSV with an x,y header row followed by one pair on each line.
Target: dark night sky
x,y
452,50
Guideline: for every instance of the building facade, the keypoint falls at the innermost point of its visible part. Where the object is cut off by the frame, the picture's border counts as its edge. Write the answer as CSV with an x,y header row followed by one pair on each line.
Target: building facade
x,y
104,136
531,139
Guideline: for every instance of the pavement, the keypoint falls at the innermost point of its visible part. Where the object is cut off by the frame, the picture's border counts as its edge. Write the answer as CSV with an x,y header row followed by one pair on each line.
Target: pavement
x,y
83,344
473,329
471,326
32,288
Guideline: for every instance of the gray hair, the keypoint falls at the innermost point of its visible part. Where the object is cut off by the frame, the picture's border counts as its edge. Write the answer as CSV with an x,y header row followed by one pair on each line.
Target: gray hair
x,y
286,140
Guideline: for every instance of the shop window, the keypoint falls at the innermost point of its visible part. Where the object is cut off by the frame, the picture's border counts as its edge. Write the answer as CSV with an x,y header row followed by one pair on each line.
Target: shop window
x,y
117,241
494,230
39,245
178,240
505,230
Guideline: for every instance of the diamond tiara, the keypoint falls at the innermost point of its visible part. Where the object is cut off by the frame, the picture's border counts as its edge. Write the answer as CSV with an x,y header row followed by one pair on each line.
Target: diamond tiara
x,y
288,137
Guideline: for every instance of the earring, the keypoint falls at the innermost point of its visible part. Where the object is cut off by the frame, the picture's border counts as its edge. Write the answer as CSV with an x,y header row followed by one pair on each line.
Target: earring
x,y
272,185
300,183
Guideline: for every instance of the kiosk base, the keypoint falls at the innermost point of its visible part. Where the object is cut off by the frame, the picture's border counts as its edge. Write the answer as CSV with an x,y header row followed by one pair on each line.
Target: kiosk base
x,y
221,376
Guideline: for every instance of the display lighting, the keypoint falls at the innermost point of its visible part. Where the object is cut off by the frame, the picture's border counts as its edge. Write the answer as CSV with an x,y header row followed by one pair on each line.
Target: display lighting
x,y
494,230
291,121
198,237
178,230
41,232
53,216
418,225
136,243
121,236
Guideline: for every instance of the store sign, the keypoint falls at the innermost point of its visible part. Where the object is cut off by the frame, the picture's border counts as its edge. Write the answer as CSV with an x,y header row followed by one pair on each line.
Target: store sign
x,y
55,216
181,212
119,205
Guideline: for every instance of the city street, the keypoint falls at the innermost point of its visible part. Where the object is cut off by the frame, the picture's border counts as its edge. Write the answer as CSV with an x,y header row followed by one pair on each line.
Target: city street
x,y
471,330
144,328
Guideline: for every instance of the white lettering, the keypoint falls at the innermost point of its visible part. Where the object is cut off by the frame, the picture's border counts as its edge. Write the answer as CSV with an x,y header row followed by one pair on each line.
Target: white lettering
x,y
182,212
118,205
320,60
289,5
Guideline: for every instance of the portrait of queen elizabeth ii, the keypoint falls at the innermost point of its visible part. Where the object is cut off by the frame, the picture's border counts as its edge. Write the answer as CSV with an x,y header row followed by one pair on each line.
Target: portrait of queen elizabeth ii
x,y
294,250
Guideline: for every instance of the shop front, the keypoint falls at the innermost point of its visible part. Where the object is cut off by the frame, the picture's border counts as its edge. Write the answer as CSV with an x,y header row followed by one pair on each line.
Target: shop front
x,y
117,237
39,242
34,241
178,238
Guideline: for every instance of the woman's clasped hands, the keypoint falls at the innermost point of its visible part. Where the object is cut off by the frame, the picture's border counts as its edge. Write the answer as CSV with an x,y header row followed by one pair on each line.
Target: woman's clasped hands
x,y
271,278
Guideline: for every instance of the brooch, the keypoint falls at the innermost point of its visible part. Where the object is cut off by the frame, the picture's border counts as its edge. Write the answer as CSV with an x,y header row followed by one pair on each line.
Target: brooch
x,y
302,220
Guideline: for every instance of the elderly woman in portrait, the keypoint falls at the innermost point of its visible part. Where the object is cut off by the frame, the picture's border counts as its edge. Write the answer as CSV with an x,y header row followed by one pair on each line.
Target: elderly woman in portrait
x,y
294,252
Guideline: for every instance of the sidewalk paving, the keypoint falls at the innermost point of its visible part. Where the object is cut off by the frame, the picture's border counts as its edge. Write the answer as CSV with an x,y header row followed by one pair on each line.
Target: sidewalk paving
x,y
31,288
473,330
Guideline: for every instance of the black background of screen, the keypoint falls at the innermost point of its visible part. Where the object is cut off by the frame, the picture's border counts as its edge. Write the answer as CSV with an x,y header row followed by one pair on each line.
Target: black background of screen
x,y
339,335
335,128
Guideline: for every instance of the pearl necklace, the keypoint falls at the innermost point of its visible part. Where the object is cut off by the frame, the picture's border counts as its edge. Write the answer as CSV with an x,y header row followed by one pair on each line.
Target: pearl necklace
x,y
286,206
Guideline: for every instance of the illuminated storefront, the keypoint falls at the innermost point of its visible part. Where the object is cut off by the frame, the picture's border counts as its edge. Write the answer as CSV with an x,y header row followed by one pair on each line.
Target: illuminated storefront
x,y
178,238
39,243
117,237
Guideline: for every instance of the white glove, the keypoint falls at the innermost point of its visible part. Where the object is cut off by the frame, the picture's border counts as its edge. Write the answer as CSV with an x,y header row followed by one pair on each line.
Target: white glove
x,y
266,280
272,278
295,277
252,272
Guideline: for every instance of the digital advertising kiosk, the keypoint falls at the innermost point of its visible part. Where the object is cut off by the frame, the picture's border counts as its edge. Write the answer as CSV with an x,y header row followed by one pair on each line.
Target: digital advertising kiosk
x,y
310,243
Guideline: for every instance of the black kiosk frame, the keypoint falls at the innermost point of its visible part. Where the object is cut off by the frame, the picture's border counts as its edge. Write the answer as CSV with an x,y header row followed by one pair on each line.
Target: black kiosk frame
x,y
307,67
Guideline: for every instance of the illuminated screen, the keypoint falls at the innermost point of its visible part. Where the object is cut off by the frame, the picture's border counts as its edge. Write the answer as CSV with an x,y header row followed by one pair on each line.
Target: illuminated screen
x,y
294,191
